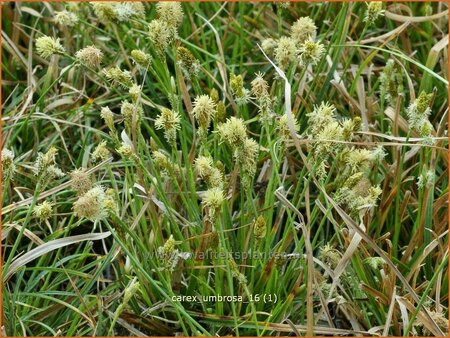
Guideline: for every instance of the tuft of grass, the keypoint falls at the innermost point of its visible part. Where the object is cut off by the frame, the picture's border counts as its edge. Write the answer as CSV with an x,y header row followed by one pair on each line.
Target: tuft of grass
x,y
214,169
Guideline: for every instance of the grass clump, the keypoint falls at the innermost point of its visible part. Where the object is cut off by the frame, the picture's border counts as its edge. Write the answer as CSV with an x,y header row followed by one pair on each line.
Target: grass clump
x,y
161,177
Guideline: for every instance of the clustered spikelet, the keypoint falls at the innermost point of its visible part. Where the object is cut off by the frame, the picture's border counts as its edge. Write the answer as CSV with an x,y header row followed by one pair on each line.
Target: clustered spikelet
x,y
214,95
140,58
170,12
66,18
138,8
310,52
221,112
110,201
425,131
168,254
126,151
169,246
220,108
118,76
162,162
321,116
169,121
283,4
91,205
212,201
324,129
359,159
204,110
43,211
233,131
300,46
349,126
100,153
374,10
285,52
426,179
129,9
379,153
237,84
245,150
215,178
326,138
91,56
45,166
259,228
205,169
240,93
104,10
321,170
80,180
189,64
117,11
303,29
358,194
108,116
8,166
47,46
330,256
132,116
160,159
203,166
355,190
260,89
363,197
128,111
268,46
246,157
439,318
160,34
391,81
283,130
235,271
44,160
135,92
418,113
